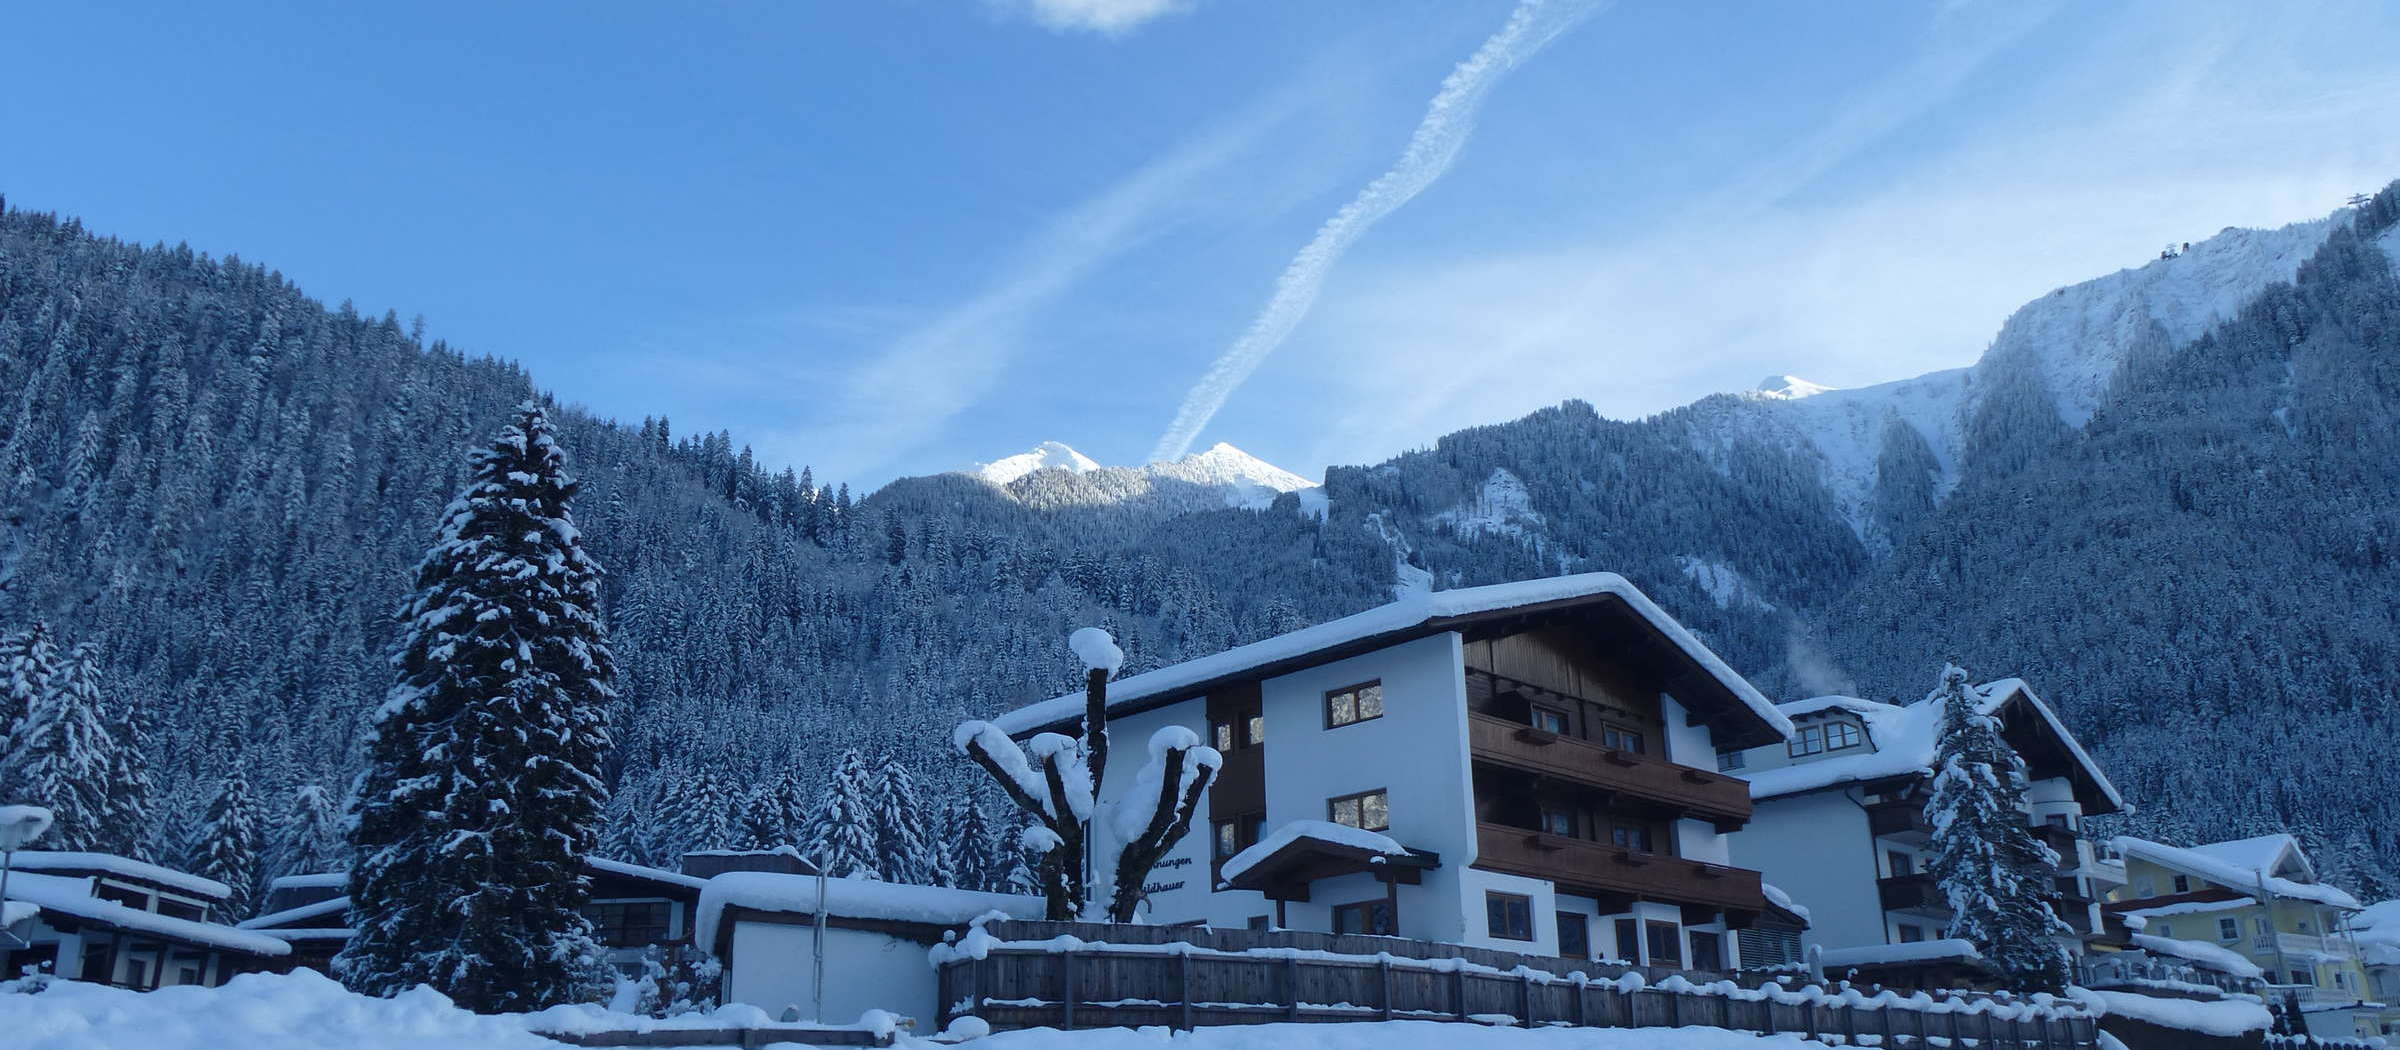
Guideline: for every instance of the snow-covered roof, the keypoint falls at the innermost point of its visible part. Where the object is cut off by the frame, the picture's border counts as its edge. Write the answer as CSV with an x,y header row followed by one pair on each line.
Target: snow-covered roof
x,y
1312,830
1901,741
850,898
1783,900
2274,854
292,916
1894,954
60,862
643,871
14,912
2140,916
71,895
2233,1016
2226,868
2201,952
2378,927
1418,614
317,881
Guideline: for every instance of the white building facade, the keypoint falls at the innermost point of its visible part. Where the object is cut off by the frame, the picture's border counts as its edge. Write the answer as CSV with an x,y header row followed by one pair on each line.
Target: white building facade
x,y
1544,751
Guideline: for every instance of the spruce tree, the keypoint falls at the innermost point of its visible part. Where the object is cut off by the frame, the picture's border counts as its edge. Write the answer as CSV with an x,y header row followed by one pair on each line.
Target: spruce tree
x,y
30,666
130,793
61,753
227,850
1995,874
841,832
967,846
761,824
904,847
482,793
312,833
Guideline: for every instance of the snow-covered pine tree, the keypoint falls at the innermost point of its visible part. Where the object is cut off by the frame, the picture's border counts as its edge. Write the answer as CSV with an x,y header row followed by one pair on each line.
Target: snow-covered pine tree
x,y
1995,874
761,824
967,847
60,755
904,847
482,794
311,835
841,832
227,850
131,794
29,669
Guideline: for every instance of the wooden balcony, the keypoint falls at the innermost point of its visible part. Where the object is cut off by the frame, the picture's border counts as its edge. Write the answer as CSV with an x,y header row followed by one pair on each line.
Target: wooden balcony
x,y
2060,839
1605,870
1901,819
1699,794
1916,893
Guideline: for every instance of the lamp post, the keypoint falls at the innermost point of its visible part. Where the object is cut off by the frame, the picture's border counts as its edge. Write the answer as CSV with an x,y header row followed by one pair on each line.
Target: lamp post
x,y
19,826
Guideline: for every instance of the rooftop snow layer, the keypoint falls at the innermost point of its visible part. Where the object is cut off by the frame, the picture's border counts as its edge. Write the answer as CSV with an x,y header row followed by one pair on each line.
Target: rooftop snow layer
x,y
1901,740
2207,955
1889,954
70,895
292,916
1783,900
1316,830
2200,862
642,871
316,881
56,861
1410,612
851,898
2223,1017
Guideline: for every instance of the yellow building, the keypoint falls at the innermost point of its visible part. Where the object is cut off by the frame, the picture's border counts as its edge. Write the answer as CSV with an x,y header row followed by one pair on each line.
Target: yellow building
x,y
2259,897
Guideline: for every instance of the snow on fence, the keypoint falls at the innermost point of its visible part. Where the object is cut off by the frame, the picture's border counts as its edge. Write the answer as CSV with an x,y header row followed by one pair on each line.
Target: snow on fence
x,y
1019,974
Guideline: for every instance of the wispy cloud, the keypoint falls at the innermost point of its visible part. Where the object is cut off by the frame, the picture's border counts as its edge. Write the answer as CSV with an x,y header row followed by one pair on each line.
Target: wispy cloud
x,y
1438,138
1105,17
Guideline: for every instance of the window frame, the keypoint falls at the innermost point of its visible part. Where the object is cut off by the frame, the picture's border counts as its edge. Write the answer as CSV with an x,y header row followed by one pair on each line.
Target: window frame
x,y
1809,740
2229,929
1618,833
1657,932
1509,906
2182,884
1582,925
1366,911
622,907
1852,735
1333,809
1356,693
1728,761
1573,824
1565,726
1615,735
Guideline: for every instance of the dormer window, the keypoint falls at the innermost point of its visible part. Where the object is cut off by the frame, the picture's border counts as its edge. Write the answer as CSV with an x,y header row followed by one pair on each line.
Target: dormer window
x,y
1839,735
1808,741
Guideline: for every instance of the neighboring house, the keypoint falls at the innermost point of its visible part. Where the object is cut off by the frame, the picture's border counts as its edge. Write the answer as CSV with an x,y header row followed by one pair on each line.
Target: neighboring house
x,y
2259,897
113,920
2377,932
633,909
1542,752
763,927
1841,824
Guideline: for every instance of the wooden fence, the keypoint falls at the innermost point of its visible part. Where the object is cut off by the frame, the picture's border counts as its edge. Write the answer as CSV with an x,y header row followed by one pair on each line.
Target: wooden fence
x,y
1183,978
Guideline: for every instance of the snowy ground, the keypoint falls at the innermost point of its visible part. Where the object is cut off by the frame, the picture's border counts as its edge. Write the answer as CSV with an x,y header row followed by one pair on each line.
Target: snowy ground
x,y
304,1011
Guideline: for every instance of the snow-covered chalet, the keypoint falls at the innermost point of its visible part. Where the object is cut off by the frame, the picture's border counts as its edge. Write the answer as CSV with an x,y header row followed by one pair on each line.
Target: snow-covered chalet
x,y
1526,766
114,920
1841,824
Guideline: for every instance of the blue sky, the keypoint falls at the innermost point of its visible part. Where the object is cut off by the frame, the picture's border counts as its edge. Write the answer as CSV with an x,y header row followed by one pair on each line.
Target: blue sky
x,y
896,236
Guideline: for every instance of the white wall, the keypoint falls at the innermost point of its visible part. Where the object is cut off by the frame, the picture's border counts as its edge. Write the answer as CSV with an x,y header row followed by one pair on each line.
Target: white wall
x,y
773,967
1817,849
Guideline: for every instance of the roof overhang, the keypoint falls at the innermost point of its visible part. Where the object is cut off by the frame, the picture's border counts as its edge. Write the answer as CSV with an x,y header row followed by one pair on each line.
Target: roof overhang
x,y
2043,741
1285,874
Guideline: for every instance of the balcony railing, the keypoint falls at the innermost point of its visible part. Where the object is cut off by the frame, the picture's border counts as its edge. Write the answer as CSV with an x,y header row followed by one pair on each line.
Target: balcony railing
x,y
1581,865
2061,839
1722,800
1902,819
1915,892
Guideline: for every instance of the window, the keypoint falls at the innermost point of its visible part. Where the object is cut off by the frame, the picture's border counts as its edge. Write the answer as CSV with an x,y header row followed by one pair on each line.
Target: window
x,y
1236,833
2259,926
125,895
2229,929
1550,721
2302,977
1258,922
1708,951
1911,933
1839,735
1620,739
172,908
1353,705
628,924
2183,884
1368,917
1634,837
1508,916
1246,729
1809,741
1728,761
137,973
2162,929
1574,935
1666,944
1901,863
1629,941
1560,822
1367,811
2143,887
2341,979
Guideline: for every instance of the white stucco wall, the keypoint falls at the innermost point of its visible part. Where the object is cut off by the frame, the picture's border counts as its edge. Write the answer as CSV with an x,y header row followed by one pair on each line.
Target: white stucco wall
x,y
773,967
1817,848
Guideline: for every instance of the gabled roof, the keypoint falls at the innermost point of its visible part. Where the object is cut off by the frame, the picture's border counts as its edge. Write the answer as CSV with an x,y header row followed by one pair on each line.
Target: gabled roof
x,y
2277,854
1901,741
2244,866
1423,614
70,895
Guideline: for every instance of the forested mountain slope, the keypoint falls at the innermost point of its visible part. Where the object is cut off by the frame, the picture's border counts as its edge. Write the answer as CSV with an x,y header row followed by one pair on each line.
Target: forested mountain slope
x,y
222,484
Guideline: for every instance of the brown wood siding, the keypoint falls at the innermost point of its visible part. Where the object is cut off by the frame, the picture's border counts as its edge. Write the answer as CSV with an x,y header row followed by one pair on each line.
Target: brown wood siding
x,y
1241,784
1704,795
1601,870
1563,660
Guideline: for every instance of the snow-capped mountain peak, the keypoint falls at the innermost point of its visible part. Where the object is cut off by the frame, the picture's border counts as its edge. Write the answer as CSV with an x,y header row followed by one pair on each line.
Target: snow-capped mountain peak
x,y
1049,455
1222,463
1789,388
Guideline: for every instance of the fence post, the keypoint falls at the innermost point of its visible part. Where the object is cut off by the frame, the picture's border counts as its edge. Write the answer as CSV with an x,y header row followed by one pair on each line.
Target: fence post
x,y
1458,990
1291,980
1183,983
1583,1001
1889,1039
1383,966
1849,1024
1066,976
1674,1009
1525,1000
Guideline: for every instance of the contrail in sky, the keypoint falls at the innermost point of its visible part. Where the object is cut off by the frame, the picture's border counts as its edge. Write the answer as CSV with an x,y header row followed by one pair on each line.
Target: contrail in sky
x,y
1449,118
